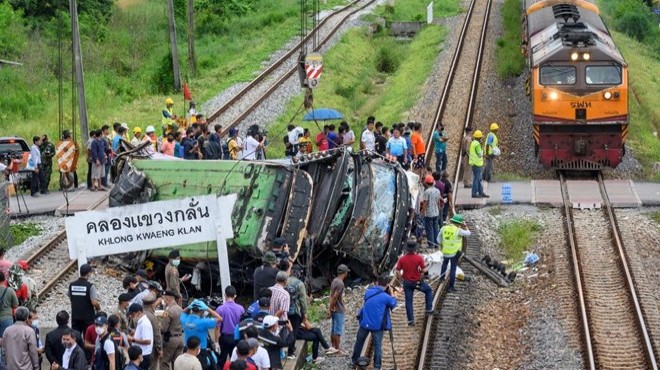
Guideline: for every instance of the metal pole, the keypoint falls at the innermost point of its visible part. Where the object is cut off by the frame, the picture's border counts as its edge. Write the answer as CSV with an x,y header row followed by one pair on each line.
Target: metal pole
x,y
173,48
191,36
78,66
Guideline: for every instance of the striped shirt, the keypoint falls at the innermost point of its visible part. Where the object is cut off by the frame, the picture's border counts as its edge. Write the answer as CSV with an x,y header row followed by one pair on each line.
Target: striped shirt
x,y
280,301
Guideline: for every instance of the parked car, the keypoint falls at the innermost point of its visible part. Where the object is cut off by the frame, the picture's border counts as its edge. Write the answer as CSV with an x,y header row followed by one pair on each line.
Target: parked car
x,y
14,153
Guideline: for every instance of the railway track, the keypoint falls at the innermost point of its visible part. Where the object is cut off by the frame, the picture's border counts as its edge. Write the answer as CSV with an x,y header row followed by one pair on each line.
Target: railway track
x,y
235,110
454,111
42,260
615,333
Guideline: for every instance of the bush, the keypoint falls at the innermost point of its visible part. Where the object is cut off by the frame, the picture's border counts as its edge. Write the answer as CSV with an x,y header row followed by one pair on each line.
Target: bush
x,y
510,61
516,236
162,79
12,32
636,25
386,60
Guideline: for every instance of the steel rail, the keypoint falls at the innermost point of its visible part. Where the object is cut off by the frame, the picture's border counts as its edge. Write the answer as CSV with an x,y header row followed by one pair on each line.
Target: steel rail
x,y
49,246
572,241
623,259
288,74
428,330
276,64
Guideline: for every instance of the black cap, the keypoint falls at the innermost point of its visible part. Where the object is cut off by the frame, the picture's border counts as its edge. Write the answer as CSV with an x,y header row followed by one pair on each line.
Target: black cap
x,y
174,254
125,297
242,348
279,242
85,269
141,273
264,302
135,307
172,293
411,245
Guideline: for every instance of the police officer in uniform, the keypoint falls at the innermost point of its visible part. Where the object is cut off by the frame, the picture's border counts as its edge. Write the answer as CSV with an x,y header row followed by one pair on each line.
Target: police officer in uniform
x,y
84,300
170,326
172,279
47,150
149,311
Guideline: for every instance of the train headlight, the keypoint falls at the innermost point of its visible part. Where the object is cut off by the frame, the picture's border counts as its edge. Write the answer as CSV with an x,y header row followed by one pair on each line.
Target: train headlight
x,y
607,95
575,56
554,95
586,56
616,95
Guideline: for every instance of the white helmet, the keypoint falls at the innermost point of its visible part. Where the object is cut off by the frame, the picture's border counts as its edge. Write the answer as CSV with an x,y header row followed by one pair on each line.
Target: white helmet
x,y
150,129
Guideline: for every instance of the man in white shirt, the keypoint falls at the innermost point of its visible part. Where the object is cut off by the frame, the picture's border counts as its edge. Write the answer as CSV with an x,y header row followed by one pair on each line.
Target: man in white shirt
x,y
260,356
368,140
38,178
144,334
74,356
252,146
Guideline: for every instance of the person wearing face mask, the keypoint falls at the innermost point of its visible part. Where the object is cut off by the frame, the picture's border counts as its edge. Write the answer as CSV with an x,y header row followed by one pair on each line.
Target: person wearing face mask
x,y
124,300
74,356
84,300
134,357
143,336
34,322
107,355
172,279
91,344
170,326
54,348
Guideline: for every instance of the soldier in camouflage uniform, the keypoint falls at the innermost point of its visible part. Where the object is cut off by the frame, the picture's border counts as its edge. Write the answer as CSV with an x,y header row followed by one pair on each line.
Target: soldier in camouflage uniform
x,y
47,153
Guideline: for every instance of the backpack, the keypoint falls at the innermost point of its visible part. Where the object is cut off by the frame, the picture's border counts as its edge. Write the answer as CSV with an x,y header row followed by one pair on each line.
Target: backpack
x,y
101,361
293,293
208,359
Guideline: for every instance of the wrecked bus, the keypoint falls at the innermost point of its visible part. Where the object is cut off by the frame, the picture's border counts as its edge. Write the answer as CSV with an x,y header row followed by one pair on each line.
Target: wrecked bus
x,y
331,207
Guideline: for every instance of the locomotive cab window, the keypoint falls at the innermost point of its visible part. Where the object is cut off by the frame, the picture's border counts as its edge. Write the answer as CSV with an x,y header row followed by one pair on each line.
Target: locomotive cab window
x,y
603,75
557,75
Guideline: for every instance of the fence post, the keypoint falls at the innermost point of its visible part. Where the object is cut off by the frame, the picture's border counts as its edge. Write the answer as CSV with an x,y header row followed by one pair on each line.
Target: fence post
x,y
429,13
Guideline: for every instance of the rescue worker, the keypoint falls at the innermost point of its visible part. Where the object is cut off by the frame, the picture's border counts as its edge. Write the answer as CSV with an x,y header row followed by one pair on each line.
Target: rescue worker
x,y
410,268
168,113
195,325
492,151
465,152
170,326
149,311
451,239
150,134
476,157
137,136
172,280
84,300
47,153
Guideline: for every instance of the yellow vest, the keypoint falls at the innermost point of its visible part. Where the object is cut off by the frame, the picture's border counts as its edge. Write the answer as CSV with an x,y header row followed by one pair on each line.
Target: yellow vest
x,y
452,242
165,120
489,151
476,154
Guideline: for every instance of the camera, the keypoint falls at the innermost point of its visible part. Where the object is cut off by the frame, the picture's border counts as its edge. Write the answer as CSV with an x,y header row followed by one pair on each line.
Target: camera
x,y
255,129
282,322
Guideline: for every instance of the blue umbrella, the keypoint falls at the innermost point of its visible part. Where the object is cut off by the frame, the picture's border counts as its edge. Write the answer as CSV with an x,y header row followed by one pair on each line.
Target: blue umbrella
x,y
322,114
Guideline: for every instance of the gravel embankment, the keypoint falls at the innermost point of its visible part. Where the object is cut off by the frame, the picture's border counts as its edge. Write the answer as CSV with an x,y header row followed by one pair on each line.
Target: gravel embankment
x,y
276,103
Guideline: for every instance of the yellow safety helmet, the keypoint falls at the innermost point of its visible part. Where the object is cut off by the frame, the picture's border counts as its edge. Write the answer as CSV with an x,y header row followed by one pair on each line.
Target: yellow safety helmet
x,y
169,101
477,134
494,126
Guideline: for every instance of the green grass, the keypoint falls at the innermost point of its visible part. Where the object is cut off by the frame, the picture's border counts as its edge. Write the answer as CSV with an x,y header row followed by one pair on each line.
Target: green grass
x,y
415,10
511,176
655,216
516,236
20,232
495,210
511,61
644,84
357,88
317,310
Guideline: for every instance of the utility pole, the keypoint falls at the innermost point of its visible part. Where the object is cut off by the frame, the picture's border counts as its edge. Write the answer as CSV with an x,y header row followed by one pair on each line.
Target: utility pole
x,y
78,65
175,51
191,36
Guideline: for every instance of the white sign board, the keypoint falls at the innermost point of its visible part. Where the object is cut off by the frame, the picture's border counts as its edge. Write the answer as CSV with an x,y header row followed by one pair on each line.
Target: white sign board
x,y
429,13
154,225
143,226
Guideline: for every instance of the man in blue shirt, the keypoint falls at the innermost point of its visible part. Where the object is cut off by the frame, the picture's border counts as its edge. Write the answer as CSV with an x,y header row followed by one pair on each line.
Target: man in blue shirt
x,y
440,146
396,147
333,138
195,325
375,319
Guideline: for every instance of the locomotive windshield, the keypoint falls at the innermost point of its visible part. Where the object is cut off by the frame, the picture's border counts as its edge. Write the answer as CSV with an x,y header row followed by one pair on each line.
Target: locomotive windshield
x,y
557,75
603,75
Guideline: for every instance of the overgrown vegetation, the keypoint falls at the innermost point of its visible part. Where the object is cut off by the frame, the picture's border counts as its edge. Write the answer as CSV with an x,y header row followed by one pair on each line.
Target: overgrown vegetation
x,y
635,19
20,232
510,60
415,10
382,78
655,216
516,236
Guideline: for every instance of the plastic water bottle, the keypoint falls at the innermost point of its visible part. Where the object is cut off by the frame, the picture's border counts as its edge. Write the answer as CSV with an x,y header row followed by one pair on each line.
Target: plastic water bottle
x,y
507,196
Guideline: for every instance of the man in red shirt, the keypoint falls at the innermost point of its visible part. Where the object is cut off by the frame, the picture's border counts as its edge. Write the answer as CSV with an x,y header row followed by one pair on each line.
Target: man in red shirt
x,y
410,267
321,139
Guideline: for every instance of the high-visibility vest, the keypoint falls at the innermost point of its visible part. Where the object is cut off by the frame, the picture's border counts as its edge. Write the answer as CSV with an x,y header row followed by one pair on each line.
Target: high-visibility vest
x,y
165,120
452,242
476,154
489,151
